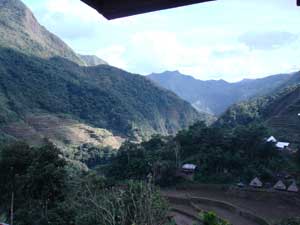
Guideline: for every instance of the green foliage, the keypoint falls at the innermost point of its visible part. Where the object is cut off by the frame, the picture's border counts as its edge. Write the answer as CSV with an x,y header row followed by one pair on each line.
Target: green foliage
x,y
278,111
37,179
222,156
134,203
93,156
210,218
47,191
290,221
103,96
157,157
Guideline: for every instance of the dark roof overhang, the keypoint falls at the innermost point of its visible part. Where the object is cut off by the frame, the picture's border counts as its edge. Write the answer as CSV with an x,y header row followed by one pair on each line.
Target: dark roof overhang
x,y
113,9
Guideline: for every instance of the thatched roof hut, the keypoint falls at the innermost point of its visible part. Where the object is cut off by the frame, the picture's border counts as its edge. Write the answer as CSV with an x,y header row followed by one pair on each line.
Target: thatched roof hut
x,y
256,183
272,139
280,186
188,168
293,187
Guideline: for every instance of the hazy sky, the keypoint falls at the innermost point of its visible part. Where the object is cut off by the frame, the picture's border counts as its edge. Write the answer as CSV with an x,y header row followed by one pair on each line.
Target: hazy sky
x,y
227,39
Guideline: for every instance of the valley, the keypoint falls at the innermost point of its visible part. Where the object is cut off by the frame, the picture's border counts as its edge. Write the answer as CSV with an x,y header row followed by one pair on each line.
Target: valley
x,y
83,142
215,96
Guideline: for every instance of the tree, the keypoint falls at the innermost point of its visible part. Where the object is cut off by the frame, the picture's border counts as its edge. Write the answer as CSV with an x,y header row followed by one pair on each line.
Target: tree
x,y
36,176
135,203
14,160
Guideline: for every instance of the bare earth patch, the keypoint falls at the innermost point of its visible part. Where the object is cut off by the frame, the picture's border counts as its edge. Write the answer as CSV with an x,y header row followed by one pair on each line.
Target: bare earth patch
x,y
61,131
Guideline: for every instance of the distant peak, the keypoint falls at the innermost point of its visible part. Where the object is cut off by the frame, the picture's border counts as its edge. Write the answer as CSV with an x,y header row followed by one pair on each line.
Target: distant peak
x,y
170,72
24,33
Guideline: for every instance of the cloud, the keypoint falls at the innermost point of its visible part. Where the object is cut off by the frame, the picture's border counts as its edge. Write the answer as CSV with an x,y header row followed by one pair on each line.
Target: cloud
x,y
204,40
157,51
268,40
70,19
114,56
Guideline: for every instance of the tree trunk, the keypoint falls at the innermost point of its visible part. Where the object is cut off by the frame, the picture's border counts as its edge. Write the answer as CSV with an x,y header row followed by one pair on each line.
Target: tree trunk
x,y
12,208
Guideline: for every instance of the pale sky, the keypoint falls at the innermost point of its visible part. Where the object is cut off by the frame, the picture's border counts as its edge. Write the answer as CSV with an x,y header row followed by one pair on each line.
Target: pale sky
x,y
226,39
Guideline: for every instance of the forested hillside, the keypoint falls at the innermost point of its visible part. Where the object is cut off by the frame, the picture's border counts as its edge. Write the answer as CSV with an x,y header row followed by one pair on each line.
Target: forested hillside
x,y
105,97
47,92
279,111
215,96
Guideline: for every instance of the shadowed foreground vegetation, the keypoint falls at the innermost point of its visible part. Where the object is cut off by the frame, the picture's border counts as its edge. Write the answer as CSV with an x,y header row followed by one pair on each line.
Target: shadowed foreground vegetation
x,y
47,190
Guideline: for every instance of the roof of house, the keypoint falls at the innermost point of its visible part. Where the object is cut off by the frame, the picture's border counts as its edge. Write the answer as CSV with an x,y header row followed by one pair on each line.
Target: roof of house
x,y
112,9
293,187
189,167
256,183
282,144
280,185
272,139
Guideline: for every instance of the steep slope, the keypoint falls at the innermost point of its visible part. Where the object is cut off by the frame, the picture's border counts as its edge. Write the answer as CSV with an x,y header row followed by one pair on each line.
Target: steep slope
x,y
215,96
47,92
92,60
129,105
20,30
278,110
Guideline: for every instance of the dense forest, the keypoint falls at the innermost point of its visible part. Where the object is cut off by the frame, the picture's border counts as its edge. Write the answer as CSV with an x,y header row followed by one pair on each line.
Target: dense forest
x,y
106,97
222,156
278,111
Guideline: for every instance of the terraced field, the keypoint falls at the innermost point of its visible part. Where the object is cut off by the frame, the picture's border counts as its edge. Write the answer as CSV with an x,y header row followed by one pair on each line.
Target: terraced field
x,y
240,209
283,117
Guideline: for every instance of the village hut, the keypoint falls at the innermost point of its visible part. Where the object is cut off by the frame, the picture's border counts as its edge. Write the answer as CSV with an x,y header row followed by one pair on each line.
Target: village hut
x,y
293,187
256,183
282,145
280,186
241,185
189,168
272,139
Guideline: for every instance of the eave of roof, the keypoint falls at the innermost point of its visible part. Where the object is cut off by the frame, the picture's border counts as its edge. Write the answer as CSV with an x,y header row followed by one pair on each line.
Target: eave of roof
x,y
113,9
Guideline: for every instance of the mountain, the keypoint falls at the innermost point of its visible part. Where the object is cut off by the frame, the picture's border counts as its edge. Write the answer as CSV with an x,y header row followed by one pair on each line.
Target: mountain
x,y
215,96
47,92
278,111
20,30
102,96
92,60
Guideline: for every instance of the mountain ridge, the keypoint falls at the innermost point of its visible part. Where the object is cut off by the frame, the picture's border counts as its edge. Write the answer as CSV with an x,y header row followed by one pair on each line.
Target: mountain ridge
x,y
20,30
41,77
215,96
279,111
